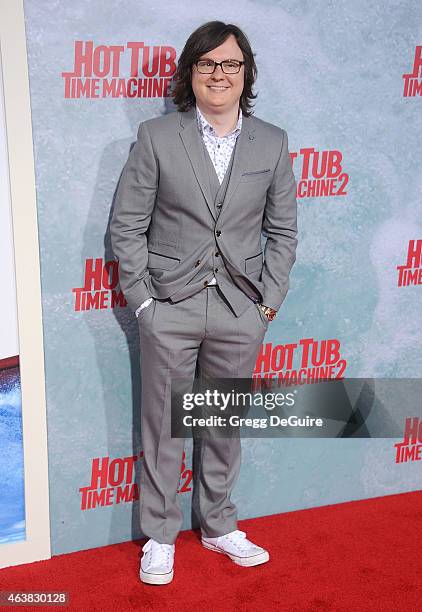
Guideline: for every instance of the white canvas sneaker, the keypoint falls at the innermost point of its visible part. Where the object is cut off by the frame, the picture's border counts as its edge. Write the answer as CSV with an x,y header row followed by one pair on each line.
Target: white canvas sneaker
x,y
236,546
157,563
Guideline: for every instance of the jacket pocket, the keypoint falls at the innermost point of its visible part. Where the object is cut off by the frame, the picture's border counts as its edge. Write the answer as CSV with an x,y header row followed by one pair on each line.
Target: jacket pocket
x,y
161,262
167,241
254,263
255,172
255,175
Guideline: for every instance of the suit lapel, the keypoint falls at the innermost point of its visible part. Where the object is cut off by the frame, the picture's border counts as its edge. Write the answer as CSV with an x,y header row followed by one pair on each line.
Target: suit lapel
x,y
242,154
193,144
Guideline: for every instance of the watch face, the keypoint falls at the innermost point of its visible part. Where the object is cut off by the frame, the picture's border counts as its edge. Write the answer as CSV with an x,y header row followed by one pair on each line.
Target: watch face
x,y
269,312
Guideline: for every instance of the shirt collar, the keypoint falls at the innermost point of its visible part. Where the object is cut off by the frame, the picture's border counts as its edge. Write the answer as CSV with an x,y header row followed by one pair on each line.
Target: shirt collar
x,y
206,127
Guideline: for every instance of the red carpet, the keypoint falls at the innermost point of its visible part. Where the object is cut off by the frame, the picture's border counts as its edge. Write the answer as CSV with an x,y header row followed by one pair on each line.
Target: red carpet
x,y
362,555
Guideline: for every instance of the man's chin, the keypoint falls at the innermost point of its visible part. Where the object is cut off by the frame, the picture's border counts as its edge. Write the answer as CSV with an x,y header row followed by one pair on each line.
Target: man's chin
x,y
218,104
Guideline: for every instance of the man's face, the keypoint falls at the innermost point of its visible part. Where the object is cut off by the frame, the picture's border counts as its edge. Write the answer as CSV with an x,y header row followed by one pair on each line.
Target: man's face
x,y
219,92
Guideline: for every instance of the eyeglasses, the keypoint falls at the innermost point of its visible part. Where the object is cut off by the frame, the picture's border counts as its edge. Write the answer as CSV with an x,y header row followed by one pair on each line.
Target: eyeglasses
x,y
207,66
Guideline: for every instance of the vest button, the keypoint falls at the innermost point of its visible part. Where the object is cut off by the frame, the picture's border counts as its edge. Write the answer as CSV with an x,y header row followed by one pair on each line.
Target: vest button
x,y
216,270
220,204
197,263
218,232
217,254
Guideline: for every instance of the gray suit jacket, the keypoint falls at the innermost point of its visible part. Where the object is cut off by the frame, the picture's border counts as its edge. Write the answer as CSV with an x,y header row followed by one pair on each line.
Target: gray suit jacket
x,y
163,199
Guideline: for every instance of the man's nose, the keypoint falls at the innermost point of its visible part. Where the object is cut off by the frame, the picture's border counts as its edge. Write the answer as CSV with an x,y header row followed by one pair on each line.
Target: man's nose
x,y
218,72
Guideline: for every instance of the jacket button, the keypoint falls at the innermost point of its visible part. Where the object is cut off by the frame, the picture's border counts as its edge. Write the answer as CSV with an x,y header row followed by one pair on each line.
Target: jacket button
x,y
216,270
197,263
205,283
218,232
217,254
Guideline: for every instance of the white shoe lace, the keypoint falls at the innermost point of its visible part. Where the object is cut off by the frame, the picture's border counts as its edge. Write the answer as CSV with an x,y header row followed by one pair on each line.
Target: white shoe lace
x,y
160,553
238,538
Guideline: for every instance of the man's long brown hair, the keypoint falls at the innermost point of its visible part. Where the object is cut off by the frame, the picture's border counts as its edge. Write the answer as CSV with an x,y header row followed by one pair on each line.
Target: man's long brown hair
x,y
206,38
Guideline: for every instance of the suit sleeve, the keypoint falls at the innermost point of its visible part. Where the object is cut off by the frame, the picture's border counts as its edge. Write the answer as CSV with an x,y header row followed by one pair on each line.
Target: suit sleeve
x,y
133,206
280,227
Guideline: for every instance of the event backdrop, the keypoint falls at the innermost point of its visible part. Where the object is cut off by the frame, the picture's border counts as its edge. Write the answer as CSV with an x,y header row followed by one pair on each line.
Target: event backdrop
x,y
332,76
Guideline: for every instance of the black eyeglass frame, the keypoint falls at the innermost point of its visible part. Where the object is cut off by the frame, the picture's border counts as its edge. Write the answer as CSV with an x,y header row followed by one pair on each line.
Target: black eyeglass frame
x,y
240,62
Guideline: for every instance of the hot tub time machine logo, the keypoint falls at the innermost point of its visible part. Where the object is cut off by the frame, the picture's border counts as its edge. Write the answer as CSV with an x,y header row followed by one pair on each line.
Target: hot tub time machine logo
x,y
304,362
413,81
322,173
411,447
113,482
411,272
98,71
100,289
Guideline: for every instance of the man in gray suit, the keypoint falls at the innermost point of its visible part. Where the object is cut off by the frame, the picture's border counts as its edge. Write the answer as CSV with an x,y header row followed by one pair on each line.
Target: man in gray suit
x,y
200,187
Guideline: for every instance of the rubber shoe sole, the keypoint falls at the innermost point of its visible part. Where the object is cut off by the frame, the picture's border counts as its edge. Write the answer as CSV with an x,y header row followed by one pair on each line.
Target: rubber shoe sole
x,y
149,578
243,561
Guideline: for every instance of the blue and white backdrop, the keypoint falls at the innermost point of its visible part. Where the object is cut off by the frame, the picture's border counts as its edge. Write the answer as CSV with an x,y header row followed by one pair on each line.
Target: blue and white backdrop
x,y
332,76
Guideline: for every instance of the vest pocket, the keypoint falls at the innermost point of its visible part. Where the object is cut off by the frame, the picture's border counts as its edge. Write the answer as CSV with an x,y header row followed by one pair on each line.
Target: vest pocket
x,y
254,263
162,262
